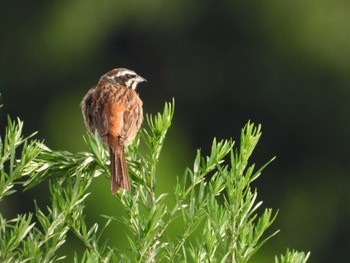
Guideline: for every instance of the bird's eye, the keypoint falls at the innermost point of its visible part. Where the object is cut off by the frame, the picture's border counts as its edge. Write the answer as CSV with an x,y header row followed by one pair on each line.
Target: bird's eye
x,y
128,76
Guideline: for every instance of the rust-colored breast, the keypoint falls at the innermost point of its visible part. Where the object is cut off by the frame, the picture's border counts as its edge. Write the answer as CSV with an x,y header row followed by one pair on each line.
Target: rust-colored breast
x,y
124,116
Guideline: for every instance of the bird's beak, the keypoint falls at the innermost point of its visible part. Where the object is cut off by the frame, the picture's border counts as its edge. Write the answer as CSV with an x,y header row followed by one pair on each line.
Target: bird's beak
x,y
140,79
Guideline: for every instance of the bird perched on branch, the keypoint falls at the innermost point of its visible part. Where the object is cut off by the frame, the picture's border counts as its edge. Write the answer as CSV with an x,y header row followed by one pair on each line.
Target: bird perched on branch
x,y
114,109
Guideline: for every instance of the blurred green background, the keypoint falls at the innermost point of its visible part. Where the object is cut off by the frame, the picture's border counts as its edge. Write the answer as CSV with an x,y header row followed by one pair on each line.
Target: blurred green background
x,y
284,64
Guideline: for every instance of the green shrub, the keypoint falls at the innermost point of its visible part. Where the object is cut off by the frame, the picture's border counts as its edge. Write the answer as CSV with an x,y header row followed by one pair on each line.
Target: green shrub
x,y
214,197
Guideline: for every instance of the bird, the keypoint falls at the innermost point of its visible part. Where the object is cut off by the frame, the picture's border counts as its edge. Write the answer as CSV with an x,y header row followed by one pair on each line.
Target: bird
x,y
113,108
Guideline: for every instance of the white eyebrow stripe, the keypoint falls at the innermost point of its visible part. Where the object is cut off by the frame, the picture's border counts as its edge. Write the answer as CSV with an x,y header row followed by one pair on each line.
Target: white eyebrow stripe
x,y
124,72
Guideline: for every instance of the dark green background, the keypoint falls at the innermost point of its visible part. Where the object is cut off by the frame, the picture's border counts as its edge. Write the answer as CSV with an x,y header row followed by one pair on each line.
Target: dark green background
x,y
284,64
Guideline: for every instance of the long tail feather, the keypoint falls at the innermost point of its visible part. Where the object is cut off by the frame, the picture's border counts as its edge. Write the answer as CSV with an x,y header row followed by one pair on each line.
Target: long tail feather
x,y
119,170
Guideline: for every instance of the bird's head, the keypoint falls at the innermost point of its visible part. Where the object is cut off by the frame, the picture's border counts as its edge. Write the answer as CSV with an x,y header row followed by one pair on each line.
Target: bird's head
x,y
125,77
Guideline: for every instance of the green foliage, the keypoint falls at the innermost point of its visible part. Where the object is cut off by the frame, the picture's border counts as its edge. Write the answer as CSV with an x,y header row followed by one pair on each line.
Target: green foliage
x,y
216,207
293,257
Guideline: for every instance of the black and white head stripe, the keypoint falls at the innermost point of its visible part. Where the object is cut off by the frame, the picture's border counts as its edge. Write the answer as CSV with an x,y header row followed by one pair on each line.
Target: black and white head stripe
x,y
126,73
124,77
130,77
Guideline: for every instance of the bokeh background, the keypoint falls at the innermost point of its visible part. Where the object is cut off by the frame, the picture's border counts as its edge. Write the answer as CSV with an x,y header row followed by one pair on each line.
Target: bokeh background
x,y
284,64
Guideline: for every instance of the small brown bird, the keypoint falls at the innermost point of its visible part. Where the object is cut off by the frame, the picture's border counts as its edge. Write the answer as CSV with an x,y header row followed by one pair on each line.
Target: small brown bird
x,y
114,109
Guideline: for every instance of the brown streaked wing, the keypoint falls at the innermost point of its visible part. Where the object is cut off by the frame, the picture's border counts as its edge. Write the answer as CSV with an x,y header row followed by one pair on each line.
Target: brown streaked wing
x,y
86,105
128,133
132,121
100,120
